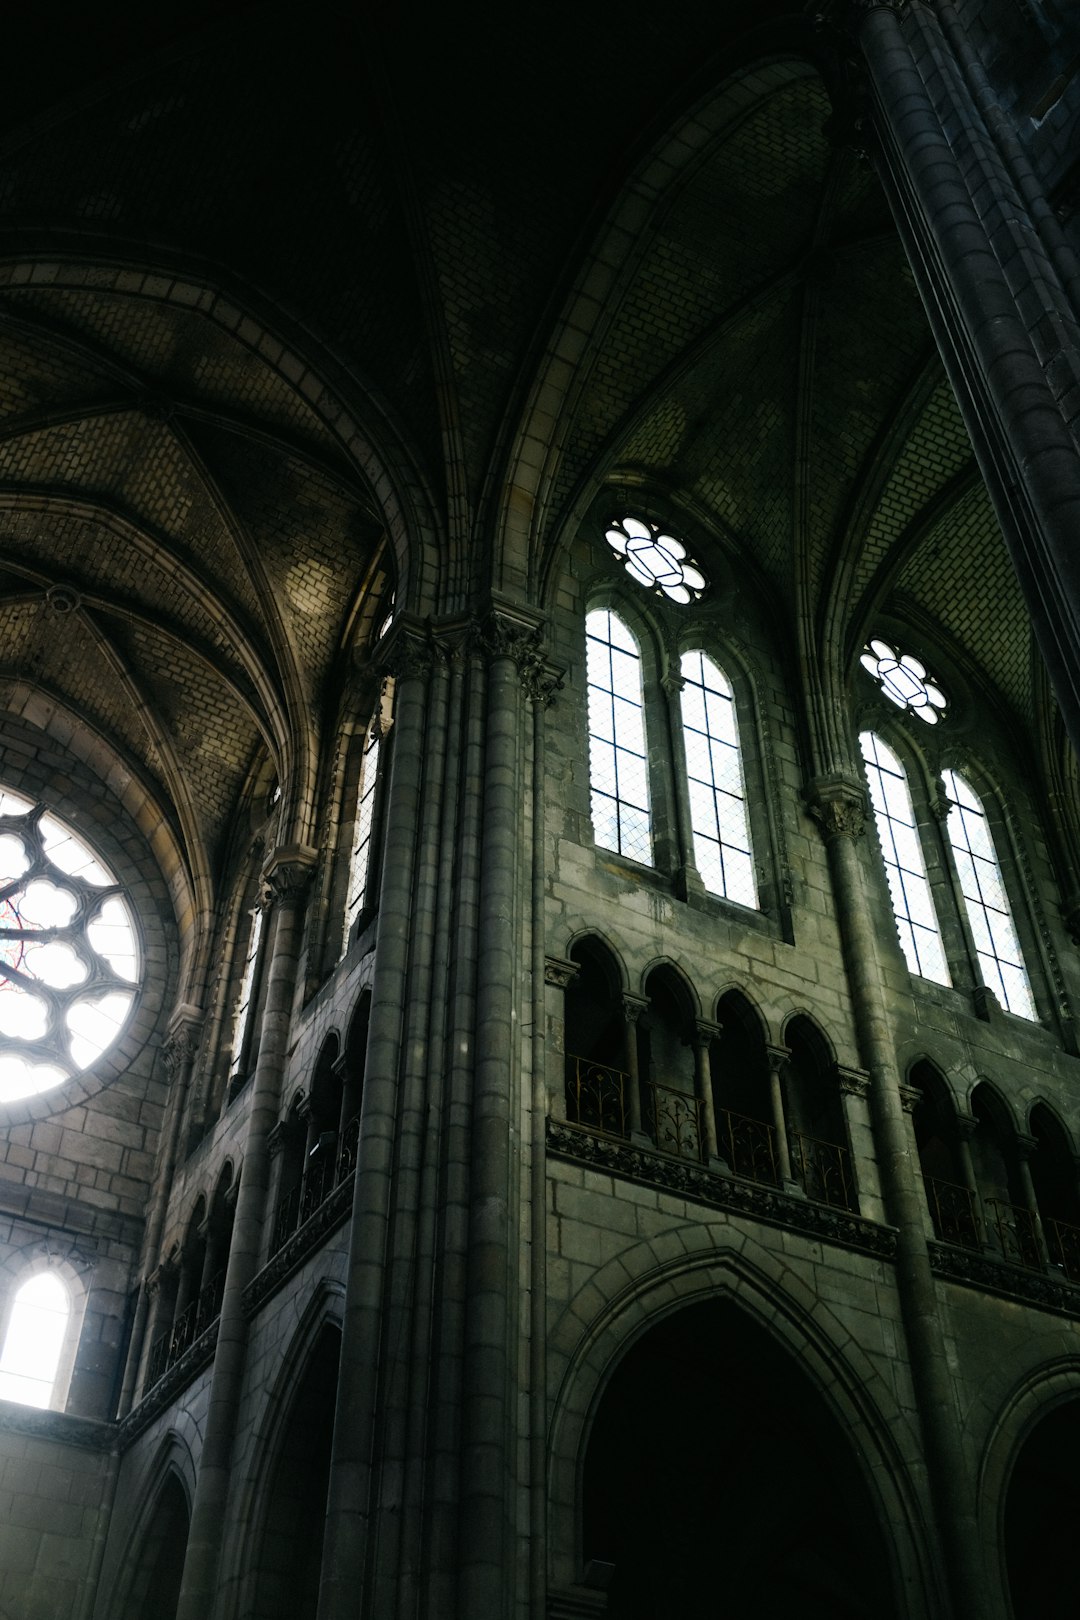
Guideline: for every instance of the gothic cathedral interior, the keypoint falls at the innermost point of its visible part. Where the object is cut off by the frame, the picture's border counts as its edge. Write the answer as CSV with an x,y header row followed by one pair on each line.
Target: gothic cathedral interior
x,y
540,810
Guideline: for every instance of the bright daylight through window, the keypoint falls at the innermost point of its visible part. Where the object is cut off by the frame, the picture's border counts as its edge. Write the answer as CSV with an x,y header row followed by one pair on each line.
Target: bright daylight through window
x,y
34,1340
68,957
656,559
903,680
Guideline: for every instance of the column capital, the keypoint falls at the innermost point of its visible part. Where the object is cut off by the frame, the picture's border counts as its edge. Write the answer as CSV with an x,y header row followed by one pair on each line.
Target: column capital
x,y
508,631
410,649
673,682
287,872
966,1125
182,1042
1026,1145
856,1082
910,1097
634,1006
707,1030
560,971
839,805
778,1058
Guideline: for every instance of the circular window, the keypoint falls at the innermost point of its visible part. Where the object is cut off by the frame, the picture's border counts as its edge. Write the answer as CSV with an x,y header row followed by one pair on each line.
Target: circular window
x,y
903,680
656,559
69,967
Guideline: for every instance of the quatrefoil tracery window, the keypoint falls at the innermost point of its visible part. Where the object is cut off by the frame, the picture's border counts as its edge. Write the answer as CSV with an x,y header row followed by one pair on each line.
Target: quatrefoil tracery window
x,y
69,964
656,559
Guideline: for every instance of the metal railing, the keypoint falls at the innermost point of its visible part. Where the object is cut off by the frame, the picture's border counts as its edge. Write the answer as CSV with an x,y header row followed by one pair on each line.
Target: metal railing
x,y
1063,1245
597,1096
319,1180
675,1122
823,1169
1014,1234
748,1145
953,1213
190,1325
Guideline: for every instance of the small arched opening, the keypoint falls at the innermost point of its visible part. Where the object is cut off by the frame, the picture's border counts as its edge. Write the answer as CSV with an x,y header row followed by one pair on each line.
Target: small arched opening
x,y
949,1198
597,1082
667,1065
1053,1174
820,1157
716,1480
1010,1220
745,1130
154,1592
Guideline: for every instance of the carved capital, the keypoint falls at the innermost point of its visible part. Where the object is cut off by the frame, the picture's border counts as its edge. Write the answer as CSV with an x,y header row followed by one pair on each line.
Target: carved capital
x,y
706,1030
180,1048
560,971
855,1082
839,806
672,683
779,1057
287,872
633,1006
910,1098
503,632
409,650
966,1126
542,682
1026,1145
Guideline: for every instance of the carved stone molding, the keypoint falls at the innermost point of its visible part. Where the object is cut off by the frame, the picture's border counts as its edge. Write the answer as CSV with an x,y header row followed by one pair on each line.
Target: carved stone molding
x,y
856,1082
287,872
910,1098
1025,1145
168,1387
966,1125
839,806
633,1006
542,682
706,1030
992,1276
303,1242
778,1058
182,1042
560,971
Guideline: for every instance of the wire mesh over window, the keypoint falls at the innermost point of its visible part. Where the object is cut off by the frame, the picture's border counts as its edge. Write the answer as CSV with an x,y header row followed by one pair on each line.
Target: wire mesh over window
x,y
985,900
360,860
715,779
913,908
618,767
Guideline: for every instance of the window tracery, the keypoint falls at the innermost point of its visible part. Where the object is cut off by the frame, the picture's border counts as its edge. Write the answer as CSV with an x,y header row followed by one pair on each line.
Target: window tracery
x,y
903,680
656,559
69,965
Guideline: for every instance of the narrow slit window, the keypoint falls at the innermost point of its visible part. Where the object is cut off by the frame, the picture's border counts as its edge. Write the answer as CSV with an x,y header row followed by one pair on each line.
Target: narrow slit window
x,y
898,834
720,824
985,900
618,765
34,1341
247,986
360,860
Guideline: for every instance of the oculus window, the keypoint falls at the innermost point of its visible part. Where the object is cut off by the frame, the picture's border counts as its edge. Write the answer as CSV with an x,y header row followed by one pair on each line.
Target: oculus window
x,y
903,680
69,962
656,559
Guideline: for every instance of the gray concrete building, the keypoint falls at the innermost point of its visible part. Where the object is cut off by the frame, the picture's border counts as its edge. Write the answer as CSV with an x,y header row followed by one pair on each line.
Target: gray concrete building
x,y
539,811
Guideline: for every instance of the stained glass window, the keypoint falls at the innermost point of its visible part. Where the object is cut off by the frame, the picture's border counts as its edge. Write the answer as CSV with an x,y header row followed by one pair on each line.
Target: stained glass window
x,y
714,774
656,559
34,1340
360,859
985,900
898,834
69,965
618,767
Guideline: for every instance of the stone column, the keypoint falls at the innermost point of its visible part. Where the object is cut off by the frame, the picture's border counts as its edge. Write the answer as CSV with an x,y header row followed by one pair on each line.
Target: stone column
x,y
633,1007
854,1088
286,876
1003,321
560,974
1025,1147
778,1062
839,804
178,1055
687,877
348,1555
966,1126
704,1035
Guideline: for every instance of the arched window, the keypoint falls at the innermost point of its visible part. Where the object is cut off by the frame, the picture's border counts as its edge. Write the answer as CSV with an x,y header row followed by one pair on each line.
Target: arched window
x,y
360,864
985,900
242,1057
905,868
618,768
35,1340
714,774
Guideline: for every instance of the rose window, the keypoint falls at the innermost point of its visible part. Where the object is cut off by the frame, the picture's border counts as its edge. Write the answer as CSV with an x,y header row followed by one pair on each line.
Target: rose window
x,y
68,957
903,680
656,559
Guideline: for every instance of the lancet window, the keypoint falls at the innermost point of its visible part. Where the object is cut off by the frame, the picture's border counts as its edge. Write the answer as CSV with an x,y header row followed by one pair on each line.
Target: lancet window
x,y
905,866
982,890
618,764
34,1341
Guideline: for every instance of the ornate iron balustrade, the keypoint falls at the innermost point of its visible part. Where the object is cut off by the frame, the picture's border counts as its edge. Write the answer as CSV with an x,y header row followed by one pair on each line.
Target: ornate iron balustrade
x,y
824,1170
1063,1244
321,1177
953,1213
597,1096
1014,1233
748,1145
190,1325
675,1122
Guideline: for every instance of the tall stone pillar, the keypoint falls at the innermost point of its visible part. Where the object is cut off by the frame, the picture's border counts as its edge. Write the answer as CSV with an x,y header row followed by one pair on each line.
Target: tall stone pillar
x,y
286,876
839,805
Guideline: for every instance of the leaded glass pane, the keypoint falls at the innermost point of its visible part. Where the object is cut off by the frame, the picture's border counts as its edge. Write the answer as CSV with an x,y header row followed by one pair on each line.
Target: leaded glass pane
x,y
985,900
618,768
905,869
718,816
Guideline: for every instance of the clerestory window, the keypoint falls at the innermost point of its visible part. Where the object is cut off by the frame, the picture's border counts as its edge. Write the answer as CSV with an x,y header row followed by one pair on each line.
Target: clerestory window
x,y
905,867
986,903
618,767
360,855
718,812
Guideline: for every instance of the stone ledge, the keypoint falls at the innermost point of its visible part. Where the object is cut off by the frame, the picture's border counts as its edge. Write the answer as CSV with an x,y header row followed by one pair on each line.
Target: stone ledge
x,y
999,1277
295,1250
169,1386
752,1198
89,1434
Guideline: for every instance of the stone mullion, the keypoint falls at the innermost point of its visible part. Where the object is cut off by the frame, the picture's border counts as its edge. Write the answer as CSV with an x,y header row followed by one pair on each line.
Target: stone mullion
x,y
633,1007
463,852
779,1058
286,877
348,1534
179,1059
488,1494
840,806
1025,1147
1020,431
414,1250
